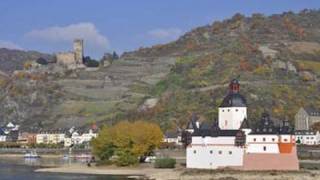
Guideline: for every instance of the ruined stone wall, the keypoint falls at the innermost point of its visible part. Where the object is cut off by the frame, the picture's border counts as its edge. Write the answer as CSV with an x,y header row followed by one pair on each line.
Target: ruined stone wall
x,y
66,58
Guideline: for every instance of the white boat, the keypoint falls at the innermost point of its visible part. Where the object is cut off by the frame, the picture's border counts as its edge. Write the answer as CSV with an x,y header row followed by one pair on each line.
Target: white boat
x,y
31,154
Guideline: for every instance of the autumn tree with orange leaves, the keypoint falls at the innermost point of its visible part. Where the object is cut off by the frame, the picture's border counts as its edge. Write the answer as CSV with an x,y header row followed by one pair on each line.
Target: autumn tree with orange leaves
x,y
127,142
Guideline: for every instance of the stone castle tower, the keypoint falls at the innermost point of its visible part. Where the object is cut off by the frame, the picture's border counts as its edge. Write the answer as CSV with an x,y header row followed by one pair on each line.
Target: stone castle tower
x,y
78,50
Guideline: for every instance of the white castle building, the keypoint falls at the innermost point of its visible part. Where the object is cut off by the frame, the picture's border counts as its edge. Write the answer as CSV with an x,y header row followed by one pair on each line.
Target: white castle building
x,y
230,142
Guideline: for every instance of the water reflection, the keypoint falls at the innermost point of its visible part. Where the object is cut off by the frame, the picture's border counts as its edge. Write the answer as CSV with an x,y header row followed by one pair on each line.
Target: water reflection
x,y
18,168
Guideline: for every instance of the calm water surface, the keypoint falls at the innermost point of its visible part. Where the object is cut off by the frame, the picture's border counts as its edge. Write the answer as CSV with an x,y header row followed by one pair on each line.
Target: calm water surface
x,y
18,168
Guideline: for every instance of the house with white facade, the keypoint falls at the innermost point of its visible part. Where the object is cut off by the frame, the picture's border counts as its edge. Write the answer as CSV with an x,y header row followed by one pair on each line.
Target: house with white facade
x,y
50,137
9,133
172,137
3,135
231,142
77,138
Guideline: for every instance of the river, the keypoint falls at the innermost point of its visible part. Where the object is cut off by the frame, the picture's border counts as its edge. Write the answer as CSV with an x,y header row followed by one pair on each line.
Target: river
x,y
17,168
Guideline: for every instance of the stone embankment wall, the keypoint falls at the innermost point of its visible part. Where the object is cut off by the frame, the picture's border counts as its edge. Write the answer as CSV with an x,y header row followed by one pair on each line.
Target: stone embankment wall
x,y
308,152
42,151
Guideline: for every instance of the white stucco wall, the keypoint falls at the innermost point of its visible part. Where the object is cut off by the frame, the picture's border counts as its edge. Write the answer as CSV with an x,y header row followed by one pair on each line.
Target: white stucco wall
x,y
231,117
286,138
212,157
3,138
213,140
262,144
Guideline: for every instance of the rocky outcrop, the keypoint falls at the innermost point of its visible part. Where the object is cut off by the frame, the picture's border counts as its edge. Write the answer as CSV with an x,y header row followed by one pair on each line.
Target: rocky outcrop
x,y
287,66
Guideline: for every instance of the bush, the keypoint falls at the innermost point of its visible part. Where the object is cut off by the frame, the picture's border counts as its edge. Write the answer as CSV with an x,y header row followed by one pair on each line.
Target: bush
x,y
165,163
125,158
90,62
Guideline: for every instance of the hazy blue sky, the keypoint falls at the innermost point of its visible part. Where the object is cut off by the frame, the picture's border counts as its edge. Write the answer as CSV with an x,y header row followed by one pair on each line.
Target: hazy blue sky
x,y
121,25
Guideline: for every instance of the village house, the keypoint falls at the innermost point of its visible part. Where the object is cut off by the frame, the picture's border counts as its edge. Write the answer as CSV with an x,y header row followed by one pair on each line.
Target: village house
x,y
27,138
173,137
306,117
50,137
231,142
3,136
9,133
76,138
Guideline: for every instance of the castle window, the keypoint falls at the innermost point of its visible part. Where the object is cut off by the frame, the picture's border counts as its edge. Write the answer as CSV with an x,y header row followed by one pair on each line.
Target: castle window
x,y
228,110
236,110
222,110
264,148
254,139
230,152
194,152
211,151
220,152
225,122
273,139
264,139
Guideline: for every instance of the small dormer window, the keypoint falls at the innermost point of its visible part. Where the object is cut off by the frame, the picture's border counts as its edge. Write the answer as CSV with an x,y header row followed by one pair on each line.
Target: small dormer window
x,y
237,110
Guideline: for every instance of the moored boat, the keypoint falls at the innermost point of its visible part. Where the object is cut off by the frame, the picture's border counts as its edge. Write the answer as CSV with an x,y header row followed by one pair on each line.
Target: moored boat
x,y
31,154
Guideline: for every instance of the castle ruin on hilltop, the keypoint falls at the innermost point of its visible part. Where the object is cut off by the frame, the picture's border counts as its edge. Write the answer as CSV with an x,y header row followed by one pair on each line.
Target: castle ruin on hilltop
x,y
74,59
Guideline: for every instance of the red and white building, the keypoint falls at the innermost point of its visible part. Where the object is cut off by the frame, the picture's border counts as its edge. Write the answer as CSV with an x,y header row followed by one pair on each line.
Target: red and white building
x,y
231,142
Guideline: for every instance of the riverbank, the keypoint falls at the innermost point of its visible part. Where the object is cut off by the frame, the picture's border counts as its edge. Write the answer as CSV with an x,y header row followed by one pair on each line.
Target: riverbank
x,y
185,174
148,172
12,155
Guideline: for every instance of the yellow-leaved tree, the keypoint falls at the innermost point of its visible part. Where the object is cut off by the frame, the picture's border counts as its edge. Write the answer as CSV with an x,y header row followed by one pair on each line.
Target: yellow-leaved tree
x,y
127,141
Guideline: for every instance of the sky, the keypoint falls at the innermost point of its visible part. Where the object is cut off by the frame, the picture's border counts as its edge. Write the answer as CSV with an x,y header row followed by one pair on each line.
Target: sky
x,y
119,25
